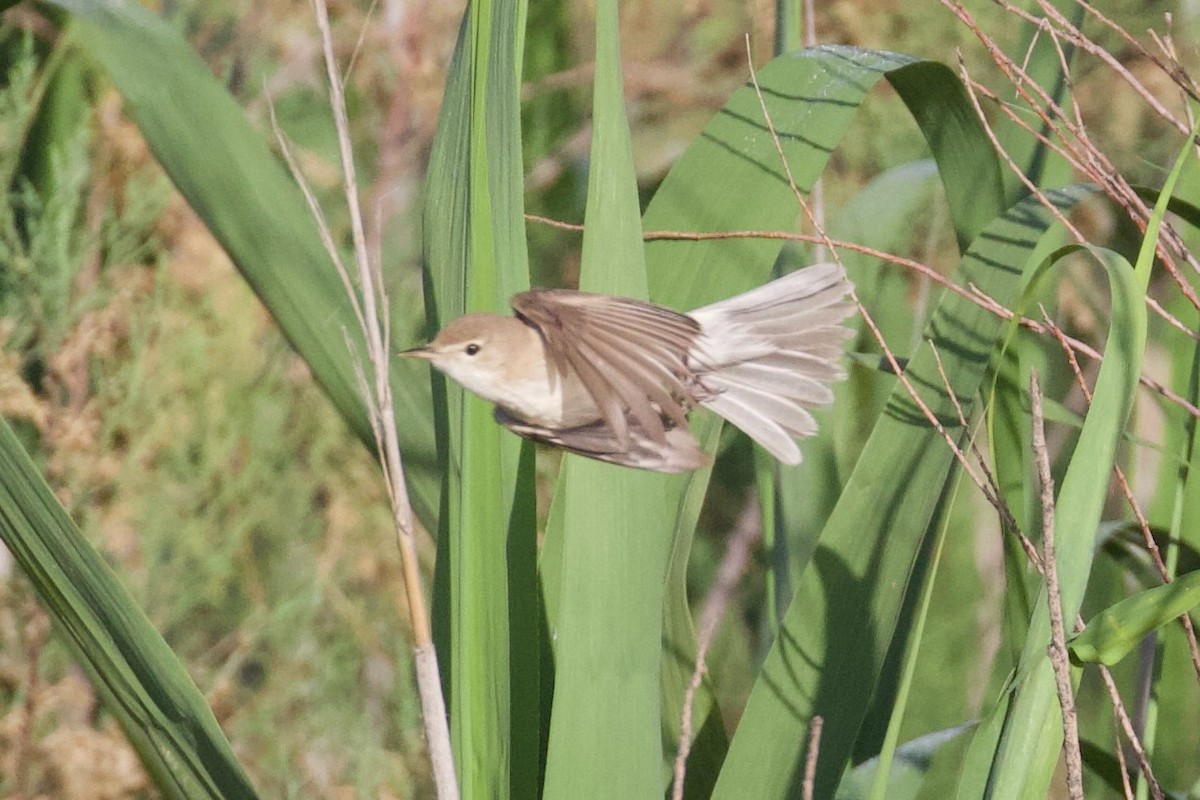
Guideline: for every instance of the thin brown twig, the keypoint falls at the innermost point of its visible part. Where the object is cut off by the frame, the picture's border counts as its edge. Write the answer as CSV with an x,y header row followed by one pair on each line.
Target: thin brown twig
x,y
932,419
990,489
1126,786
787,167
1188,87
1092,163
1114,694
1090,159
317,214
1173,70
1072,34
815,726
1057,650
747,531
1105,175
818,188
1135,742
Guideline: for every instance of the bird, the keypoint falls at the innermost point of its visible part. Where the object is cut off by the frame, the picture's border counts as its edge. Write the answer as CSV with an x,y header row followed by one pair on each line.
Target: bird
x,y
614,378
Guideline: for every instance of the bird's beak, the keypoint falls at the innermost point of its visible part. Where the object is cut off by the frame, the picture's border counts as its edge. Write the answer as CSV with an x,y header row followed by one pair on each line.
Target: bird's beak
x,y
417,352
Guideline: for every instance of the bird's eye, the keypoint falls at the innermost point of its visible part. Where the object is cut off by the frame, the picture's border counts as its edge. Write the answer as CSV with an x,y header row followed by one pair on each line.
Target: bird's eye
x,y
472,349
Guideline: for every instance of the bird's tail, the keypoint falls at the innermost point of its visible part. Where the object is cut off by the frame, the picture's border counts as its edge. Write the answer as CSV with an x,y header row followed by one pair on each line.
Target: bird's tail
x,y
769,355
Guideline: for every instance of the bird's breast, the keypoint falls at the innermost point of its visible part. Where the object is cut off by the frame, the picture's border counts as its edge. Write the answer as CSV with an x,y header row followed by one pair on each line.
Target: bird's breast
x,y
542,396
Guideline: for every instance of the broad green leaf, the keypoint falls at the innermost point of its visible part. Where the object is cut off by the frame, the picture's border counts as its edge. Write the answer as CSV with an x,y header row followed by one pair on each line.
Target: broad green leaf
x,y
1115,631
138,677
606,727
248,201
485,593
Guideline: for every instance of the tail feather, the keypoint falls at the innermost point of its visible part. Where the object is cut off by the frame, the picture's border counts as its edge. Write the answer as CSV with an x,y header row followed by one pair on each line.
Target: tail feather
x,y
786,381
756,425
812,287
768,355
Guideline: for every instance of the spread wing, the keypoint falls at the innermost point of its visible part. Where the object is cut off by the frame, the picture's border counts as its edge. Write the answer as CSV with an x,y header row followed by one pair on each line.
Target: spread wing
x,y
630,356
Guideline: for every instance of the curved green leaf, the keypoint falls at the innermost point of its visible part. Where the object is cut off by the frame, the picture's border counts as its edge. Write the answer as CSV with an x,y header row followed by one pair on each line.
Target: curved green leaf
x,y
1115,631
1029,745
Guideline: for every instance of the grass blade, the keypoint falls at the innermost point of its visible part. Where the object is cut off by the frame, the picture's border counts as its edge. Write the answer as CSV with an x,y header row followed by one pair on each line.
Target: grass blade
x,y
485,603
161,711
614,553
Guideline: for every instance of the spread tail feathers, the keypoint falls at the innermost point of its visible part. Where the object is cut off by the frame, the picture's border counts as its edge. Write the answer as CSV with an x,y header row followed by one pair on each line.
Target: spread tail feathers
x,y
769,355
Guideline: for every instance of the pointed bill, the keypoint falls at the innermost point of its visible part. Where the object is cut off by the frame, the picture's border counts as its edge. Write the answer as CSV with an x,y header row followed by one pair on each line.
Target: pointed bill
x,y
416,352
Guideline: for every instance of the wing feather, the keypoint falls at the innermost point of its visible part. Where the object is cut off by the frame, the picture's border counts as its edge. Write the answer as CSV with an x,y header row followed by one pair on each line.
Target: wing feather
x,y
630,356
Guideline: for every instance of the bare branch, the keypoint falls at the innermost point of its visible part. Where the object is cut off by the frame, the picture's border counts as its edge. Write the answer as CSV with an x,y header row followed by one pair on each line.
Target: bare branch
x,y
1058,637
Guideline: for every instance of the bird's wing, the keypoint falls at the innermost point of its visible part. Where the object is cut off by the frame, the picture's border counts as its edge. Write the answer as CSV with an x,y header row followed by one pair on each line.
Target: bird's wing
x,y
631,356
597,440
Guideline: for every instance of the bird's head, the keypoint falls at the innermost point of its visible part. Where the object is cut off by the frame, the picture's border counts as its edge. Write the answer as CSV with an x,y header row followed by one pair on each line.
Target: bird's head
x,y
483,352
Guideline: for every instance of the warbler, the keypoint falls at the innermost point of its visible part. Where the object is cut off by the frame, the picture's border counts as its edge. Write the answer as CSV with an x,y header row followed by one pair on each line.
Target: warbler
x,y
614,378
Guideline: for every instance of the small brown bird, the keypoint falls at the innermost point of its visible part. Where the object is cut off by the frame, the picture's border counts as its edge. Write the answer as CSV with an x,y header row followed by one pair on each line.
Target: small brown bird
x,y
613,378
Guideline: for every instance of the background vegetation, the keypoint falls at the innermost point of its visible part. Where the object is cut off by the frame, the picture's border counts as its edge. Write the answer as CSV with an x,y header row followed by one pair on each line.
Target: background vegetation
x,y
195,451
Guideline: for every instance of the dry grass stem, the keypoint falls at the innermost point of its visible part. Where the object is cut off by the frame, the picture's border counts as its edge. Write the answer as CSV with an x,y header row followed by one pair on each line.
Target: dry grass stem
x,y
746,533
377,395
1058,637
1086,156
810,759
1135,742
1104,174
1126,786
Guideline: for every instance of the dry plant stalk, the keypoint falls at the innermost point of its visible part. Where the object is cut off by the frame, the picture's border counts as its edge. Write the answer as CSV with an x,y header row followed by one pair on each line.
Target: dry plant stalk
x,y
370,303
807,787
1058,637
746,534
1131,734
